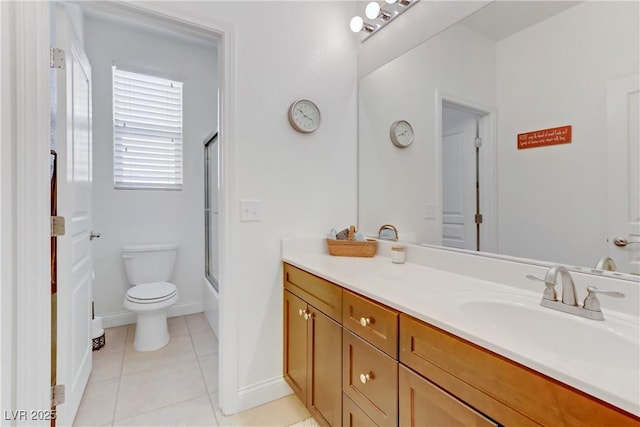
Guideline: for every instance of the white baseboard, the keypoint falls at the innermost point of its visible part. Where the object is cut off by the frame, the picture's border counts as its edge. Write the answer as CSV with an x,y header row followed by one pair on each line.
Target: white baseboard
x,y
126,317
186,308
262,392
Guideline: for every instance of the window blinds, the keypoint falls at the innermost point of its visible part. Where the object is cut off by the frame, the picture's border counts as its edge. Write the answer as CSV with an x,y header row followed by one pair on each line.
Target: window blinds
x,y
147,132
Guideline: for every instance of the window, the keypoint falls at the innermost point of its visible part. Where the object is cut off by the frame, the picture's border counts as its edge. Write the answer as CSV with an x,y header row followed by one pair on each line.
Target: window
x,y
147,132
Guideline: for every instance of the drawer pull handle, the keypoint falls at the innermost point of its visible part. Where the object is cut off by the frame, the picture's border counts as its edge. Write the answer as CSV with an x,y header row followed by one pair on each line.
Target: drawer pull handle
x,y
364,378
364,321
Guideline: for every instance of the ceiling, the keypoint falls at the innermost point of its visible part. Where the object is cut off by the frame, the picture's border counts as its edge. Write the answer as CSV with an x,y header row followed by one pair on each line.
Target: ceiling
x,y
500,19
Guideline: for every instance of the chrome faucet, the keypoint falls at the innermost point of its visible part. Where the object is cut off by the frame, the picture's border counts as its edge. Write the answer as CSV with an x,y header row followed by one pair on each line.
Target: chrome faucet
x,y
569,304
607,264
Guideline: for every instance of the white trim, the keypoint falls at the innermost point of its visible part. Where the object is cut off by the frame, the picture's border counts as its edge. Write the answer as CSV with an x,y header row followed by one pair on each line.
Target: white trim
x,y
112,320
7,217
229,395
32,293
488,174
256,394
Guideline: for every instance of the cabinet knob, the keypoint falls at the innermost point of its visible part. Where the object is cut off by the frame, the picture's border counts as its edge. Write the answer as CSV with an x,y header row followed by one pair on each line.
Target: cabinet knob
x,y
364,378
304,313
364,321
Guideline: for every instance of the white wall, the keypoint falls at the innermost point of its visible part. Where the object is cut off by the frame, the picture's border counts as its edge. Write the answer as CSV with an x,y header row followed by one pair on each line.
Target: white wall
x,y
560,68
395,184
135,216
282,51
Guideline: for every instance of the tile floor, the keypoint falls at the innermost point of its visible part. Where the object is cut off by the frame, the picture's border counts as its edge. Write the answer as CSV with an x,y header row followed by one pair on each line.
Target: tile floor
x,y
174,386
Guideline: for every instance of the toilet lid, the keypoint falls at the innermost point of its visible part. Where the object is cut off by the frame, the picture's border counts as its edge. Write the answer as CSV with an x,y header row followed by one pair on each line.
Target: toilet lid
x,y
151,292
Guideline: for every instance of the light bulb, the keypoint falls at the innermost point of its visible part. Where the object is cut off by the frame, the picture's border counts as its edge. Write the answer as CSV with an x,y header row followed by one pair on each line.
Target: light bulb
x,y
356,24
372,10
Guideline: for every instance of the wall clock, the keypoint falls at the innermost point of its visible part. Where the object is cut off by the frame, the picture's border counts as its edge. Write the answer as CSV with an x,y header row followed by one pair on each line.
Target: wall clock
x,y
304,116
401,133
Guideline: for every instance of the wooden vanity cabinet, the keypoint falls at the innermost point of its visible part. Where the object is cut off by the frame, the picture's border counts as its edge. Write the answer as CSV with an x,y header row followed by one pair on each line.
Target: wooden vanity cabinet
x,y
313,346
423,404
353,416
370,380
369,361
414,374
497,387
371,321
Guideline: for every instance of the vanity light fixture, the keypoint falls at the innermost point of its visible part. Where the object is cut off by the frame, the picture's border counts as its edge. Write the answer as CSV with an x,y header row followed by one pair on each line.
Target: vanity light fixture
x,y
357,24
374,11
379,17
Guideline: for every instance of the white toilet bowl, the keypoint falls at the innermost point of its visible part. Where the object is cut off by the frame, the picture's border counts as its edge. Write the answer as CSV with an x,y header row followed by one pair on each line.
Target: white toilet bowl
x,y
149,269
151,302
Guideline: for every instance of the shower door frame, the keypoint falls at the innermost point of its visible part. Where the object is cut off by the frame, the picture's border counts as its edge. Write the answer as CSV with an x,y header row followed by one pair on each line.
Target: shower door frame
x,y
209,143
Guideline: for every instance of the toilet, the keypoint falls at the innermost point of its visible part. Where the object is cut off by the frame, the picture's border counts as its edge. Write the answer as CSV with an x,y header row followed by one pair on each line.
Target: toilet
x,y
149,269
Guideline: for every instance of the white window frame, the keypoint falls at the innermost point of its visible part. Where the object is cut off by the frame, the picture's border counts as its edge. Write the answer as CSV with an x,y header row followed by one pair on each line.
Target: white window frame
x,y
147,132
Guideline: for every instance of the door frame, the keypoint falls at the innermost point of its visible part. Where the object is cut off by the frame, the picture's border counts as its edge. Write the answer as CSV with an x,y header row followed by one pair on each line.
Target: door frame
x,y
488,173
617,92
29,318
25,226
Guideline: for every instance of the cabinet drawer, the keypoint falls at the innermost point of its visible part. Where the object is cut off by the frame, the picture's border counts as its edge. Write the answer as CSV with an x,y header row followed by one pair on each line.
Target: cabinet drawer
x,y
323,295
353,416
422,404
372,321
370,379
497,386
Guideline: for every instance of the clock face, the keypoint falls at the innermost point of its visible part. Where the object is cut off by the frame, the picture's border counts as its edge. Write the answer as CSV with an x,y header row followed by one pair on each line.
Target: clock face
x,y
401,134
304,116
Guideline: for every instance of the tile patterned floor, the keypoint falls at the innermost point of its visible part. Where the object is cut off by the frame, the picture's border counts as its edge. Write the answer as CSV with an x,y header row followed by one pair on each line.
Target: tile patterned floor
x,y
174,386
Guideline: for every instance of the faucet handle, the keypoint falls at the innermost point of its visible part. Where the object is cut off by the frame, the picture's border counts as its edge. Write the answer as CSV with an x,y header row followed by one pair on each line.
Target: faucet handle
x,y
592,303
549,290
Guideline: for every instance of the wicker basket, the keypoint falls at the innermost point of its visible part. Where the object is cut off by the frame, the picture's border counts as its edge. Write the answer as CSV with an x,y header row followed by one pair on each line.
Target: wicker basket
x,y
351,247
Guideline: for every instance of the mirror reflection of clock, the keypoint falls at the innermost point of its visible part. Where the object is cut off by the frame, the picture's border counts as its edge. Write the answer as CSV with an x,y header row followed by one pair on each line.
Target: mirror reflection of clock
x,y
401,134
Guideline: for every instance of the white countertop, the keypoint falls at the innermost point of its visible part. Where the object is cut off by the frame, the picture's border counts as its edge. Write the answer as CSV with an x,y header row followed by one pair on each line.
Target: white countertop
x,y
434,295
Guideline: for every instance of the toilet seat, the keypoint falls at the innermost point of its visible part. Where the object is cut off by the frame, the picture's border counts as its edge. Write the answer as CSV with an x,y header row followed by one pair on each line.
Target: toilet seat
x,y
151,293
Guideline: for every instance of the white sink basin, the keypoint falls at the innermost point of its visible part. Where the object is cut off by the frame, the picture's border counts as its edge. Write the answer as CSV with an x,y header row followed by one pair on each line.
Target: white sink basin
x,y
578,347
604,342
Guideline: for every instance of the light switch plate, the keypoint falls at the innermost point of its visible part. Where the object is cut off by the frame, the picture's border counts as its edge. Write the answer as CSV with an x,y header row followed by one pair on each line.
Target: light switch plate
x,y
429,211
250,210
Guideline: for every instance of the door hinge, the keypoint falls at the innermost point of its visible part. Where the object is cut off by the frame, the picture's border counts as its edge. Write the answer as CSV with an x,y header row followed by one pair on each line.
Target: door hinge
x,y
478,218
56,58
478,142
57,226
57,394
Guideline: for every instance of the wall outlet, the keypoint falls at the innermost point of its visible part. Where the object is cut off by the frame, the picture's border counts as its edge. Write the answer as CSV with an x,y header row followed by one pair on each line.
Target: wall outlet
x,y
251,210
429,211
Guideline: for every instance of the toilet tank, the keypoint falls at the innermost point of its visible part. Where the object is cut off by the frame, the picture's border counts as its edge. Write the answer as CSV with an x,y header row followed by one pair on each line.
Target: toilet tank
x,y
149,263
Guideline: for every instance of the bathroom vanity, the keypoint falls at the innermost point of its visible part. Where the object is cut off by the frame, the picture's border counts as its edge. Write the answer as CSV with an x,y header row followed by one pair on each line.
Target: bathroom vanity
x,y
368,342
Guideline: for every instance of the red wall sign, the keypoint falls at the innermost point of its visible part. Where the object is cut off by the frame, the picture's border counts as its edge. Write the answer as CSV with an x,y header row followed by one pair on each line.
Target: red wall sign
x,y
543,137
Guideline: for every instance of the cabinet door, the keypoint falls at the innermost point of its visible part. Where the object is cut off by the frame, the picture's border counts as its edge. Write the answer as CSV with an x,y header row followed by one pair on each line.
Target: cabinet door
x,y
324,399
353,416
295,344
423,404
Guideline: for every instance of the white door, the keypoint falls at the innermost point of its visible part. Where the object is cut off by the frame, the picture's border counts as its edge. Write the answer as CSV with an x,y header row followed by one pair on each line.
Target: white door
x,y
623,139
458,178
73,123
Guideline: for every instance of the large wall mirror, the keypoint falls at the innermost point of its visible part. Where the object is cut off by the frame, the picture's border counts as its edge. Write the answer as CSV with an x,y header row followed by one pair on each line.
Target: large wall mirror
x,y
563,76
